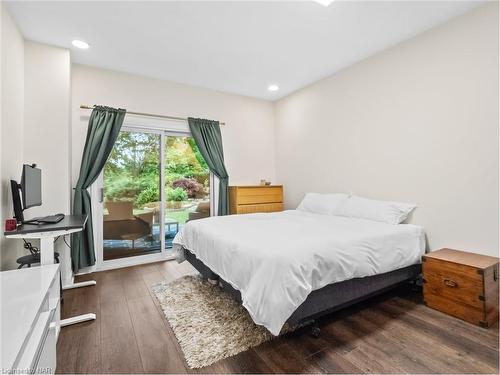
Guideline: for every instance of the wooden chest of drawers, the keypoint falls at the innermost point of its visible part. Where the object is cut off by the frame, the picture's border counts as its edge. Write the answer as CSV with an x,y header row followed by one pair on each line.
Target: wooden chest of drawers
x,y
251,199
462,284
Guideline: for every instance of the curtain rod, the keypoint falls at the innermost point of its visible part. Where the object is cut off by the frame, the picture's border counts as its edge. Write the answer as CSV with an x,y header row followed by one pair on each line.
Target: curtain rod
x,y
85,106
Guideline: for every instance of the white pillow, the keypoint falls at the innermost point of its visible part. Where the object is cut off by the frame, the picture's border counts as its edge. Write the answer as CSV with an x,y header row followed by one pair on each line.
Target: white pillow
x,y
370,209
325,204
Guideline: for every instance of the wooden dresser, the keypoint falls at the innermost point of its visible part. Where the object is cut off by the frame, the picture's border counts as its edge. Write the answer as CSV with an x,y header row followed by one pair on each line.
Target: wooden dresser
x,y
462,284
251,199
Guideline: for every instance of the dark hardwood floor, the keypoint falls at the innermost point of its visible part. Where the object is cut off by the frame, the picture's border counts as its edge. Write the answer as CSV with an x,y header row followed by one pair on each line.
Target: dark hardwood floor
x,y
393,333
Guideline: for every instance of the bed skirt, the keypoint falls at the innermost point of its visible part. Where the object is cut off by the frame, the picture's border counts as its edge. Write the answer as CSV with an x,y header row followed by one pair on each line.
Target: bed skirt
x,y
331,297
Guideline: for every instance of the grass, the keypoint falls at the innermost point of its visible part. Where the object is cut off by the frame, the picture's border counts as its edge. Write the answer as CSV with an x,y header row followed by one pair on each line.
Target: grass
x,y
180,216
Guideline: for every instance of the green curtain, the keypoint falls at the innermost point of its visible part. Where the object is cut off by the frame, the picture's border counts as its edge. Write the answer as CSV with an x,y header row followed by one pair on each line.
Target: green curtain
x,y
104,125
207,136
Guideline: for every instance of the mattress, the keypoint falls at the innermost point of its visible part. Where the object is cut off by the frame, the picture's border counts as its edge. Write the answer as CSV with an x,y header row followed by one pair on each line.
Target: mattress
x,y
276,259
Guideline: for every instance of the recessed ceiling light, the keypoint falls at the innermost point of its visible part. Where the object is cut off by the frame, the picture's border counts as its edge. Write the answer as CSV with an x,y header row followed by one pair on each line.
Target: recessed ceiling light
x,y
325,2
80,44
273,88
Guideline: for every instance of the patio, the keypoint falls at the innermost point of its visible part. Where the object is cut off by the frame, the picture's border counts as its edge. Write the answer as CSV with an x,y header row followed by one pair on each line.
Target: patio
x,y
114,248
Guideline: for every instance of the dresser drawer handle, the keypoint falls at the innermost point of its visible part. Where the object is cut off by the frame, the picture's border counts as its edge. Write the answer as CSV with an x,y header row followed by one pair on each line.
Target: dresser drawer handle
x,y
450,283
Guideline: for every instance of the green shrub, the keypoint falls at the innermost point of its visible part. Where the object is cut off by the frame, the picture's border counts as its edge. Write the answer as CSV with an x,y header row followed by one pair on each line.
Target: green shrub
x,y
177,195
121,186
150,194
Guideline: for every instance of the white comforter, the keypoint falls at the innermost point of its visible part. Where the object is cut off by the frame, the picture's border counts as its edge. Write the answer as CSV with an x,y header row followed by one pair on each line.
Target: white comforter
x,y
275,260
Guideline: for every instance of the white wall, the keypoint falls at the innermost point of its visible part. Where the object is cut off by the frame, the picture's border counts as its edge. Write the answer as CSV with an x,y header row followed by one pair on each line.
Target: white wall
x,y
416,123
12,105
35,128
2,207
46,123
248,137
46,130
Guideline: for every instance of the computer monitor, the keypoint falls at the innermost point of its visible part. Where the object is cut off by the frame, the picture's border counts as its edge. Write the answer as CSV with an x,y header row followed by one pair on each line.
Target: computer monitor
x,y
31,190
31,186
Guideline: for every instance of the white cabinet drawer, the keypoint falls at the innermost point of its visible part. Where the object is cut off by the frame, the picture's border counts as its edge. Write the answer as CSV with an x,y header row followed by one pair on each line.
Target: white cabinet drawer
x,y
47,360
39,354
30,319
35,343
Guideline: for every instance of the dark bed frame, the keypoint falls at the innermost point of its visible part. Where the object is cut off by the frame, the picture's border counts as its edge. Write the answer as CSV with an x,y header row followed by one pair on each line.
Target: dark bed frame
x,y
330,298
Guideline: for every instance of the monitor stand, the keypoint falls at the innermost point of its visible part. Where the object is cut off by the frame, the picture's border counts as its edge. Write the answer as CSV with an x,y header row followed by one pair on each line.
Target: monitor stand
x,y
16,201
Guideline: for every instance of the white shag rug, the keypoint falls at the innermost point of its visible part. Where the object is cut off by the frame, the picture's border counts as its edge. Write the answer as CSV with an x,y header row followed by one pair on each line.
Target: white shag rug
x,y
208,323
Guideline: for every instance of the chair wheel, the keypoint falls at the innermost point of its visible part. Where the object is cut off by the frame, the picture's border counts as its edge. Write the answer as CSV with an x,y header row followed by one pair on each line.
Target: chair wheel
x,y
315,331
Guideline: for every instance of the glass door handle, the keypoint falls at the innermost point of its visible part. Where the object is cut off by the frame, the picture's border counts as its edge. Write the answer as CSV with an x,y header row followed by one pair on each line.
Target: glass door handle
x,y
101,195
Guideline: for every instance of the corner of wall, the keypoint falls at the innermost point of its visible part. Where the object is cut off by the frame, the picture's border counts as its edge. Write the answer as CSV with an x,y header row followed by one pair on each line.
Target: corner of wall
x,y
12,124
47,130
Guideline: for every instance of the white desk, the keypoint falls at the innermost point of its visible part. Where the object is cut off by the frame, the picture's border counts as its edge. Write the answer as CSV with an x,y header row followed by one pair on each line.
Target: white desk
x,y
47,233
30,311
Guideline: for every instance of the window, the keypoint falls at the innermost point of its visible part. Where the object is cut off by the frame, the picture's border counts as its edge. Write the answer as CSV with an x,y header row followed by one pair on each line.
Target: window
x,y
139,217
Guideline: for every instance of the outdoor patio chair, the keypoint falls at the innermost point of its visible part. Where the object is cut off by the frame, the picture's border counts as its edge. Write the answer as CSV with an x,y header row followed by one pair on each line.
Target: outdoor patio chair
x,y
121,224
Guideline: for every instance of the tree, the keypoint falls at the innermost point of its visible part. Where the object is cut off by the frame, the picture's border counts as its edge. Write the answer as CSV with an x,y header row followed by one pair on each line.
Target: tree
x,y
132,171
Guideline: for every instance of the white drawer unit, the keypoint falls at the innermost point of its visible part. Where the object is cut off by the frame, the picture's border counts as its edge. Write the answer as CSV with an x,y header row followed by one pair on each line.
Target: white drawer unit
x,y
30,319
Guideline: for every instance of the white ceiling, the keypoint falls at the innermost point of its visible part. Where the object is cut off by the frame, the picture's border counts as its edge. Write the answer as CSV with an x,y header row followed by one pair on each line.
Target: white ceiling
x,y
234,46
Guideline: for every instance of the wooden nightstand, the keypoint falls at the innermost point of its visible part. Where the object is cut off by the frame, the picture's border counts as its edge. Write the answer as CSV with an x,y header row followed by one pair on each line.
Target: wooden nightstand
x,y
252,199
462,284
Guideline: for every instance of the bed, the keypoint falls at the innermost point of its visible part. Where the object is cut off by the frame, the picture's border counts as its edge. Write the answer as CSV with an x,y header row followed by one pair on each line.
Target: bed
x,y
294,266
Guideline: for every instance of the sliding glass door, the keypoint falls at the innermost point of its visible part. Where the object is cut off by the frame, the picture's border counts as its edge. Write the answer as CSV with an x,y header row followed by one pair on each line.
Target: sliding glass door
x,y
152,184
131,187
187,184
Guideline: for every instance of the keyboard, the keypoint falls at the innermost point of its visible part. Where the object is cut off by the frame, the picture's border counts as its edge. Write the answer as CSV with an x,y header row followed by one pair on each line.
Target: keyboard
x,y
52,219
